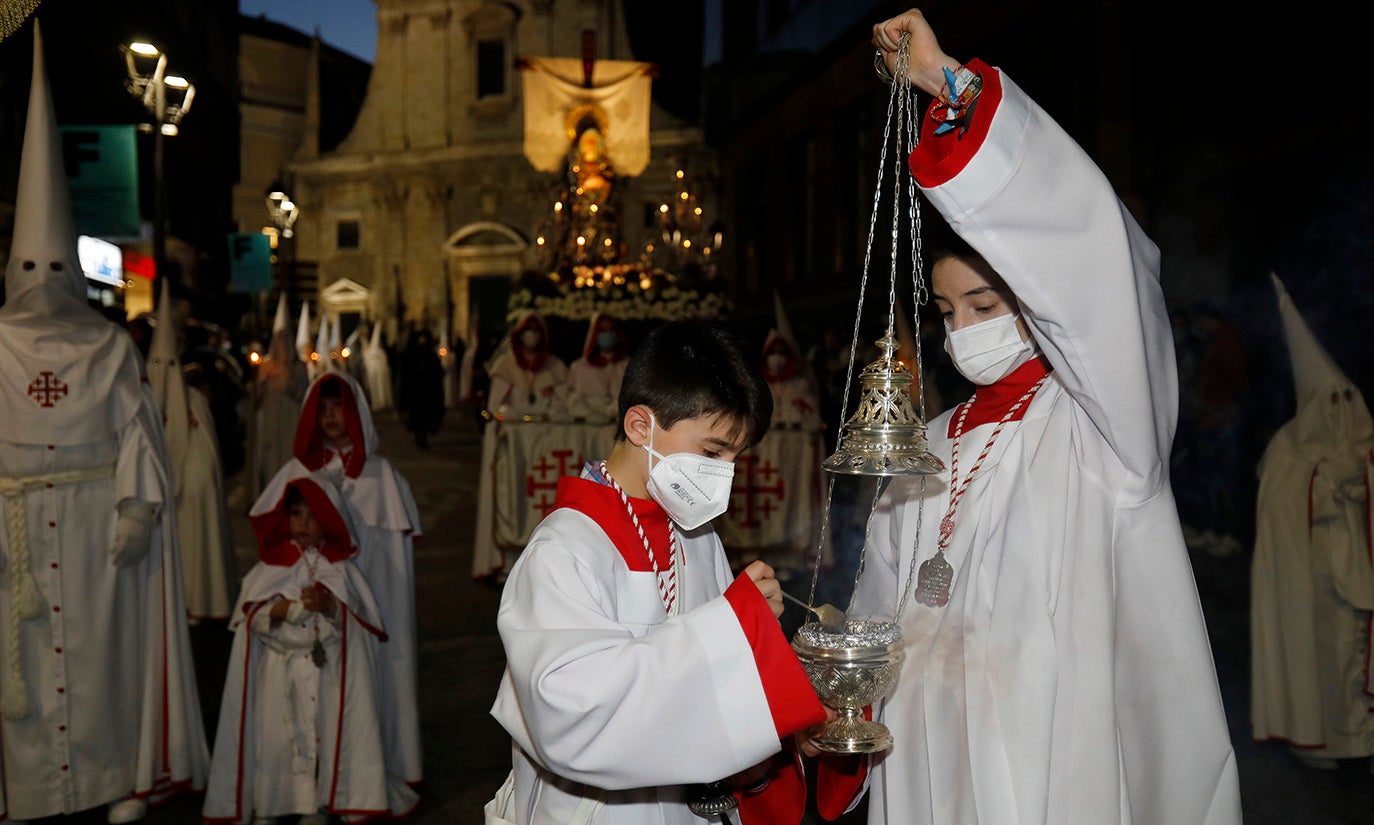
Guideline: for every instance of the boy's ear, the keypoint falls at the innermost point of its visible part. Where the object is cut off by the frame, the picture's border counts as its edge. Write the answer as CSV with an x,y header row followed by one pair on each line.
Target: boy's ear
x,y
638,425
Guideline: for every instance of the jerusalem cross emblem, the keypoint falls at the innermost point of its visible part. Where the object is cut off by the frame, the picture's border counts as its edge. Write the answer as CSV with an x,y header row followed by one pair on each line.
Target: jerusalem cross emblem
x,y
759,490
47,389
541,482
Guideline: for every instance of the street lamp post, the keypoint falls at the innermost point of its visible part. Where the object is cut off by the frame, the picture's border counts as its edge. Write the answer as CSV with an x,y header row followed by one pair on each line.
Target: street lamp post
x,y
167,98
283,211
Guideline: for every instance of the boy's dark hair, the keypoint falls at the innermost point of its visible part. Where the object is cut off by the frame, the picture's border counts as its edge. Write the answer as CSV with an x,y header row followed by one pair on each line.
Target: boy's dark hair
x,y
330,388
688,369
292,497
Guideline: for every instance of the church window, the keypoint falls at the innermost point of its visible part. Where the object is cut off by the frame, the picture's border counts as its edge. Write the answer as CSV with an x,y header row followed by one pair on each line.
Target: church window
x,y
348,234
491,68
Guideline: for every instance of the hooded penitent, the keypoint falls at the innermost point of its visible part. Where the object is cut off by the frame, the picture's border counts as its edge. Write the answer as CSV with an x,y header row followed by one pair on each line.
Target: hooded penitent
x,y
303,346
377,368
90,551
209,571
795,401
282,380
1313,573
525,373
301,720
594,379
382,506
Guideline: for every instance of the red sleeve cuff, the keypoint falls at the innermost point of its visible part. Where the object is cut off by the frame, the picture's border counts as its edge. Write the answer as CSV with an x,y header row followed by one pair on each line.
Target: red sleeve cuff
x,y
936,160
791,699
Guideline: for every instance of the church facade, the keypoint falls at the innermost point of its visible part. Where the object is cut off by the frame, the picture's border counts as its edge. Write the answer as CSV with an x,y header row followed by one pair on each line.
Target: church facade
x,y
429,207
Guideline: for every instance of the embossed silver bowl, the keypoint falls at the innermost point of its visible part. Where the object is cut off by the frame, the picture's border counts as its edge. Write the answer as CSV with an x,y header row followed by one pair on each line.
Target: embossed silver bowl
x,y
850,670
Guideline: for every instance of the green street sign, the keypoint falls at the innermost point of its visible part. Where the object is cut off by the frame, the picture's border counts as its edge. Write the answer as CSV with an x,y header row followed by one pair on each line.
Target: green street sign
x,y
102,174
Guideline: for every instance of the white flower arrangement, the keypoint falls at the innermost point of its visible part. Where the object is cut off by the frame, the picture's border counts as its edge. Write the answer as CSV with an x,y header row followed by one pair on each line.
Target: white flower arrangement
x,y
616,290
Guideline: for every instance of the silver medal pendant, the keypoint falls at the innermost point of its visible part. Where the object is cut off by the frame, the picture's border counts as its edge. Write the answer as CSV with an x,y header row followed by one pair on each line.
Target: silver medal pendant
x,y
317,653
933,580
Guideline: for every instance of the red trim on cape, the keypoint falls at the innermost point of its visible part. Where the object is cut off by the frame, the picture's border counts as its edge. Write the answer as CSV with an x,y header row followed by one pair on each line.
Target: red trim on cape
x,y
273,528
792,700
309,447
603,505
993,401
936,160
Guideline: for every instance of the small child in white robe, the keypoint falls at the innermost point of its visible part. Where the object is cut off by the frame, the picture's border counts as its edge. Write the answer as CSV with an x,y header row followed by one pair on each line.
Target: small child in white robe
x,y
336,437
299,725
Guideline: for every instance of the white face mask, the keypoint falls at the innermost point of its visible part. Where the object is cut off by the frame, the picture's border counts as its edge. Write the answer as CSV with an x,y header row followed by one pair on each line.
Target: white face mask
x,y
692,489
988,351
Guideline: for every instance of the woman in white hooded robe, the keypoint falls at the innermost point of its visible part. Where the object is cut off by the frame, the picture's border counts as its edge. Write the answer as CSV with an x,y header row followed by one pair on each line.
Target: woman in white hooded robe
x,y
1057,669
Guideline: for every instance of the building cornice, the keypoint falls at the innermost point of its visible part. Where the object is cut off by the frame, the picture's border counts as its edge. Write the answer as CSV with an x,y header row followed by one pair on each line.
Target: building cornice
x,y
423,160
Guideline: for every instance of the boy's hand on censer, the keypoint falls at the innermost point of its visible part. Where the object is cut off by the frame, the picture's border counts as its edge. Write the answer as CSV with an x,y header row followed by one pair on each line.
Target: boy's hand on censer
x,y
763,577
802,738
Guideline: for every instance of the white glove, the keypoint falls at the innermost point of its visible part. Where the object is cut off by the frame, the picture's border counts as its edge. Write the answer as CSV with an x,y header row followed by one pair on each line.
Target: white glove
x,y
133,532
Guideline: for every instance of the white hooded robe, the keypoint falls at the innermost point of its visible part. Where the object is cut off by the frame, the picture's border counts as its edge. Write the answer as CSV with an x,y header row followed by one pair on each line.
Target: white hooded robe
x,y
97,691
1312,579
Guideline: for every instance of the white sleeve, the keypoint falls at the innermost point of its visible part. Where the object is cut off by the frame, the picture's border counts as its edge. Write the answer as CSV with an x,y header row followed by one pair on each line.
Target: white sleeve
x,y
1047,220
593,703
141,469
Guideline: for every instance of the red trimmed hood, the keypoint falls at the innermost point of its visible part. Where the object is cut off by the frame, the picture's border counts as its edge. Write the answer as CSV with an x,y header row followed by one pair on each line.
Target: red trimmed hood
x,y
273,527
309,447
591,353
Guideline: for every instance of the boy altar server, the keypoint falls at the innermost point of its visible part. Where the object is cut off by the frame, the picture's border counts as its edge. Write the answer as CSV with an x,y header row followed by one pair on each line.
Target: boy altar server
x,y
336,437
636,666
97,688
299,725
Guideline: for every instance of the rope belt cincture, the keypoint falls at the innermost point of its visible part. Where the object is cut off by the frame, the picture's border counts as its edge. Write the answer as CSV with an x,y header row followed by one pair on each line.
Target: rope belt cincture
x,y
24,601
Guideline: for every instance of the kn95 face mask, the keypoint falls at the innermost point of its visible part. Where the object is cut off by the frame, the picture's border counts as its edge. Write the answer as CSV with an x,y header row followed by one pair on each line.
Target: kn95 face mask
x,y
692,489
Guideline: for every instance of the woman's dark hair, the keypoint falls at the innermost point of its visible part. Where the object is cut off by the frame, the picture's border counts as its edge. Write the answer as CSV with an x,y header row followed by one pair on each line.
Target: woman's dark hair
x,y
942,244
689,369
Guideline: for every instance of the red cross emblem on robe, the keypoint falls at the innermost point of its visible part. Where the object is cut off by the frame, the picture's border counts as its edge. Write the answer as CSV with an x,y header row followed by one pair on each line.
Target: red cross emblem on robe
x,y
47,389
